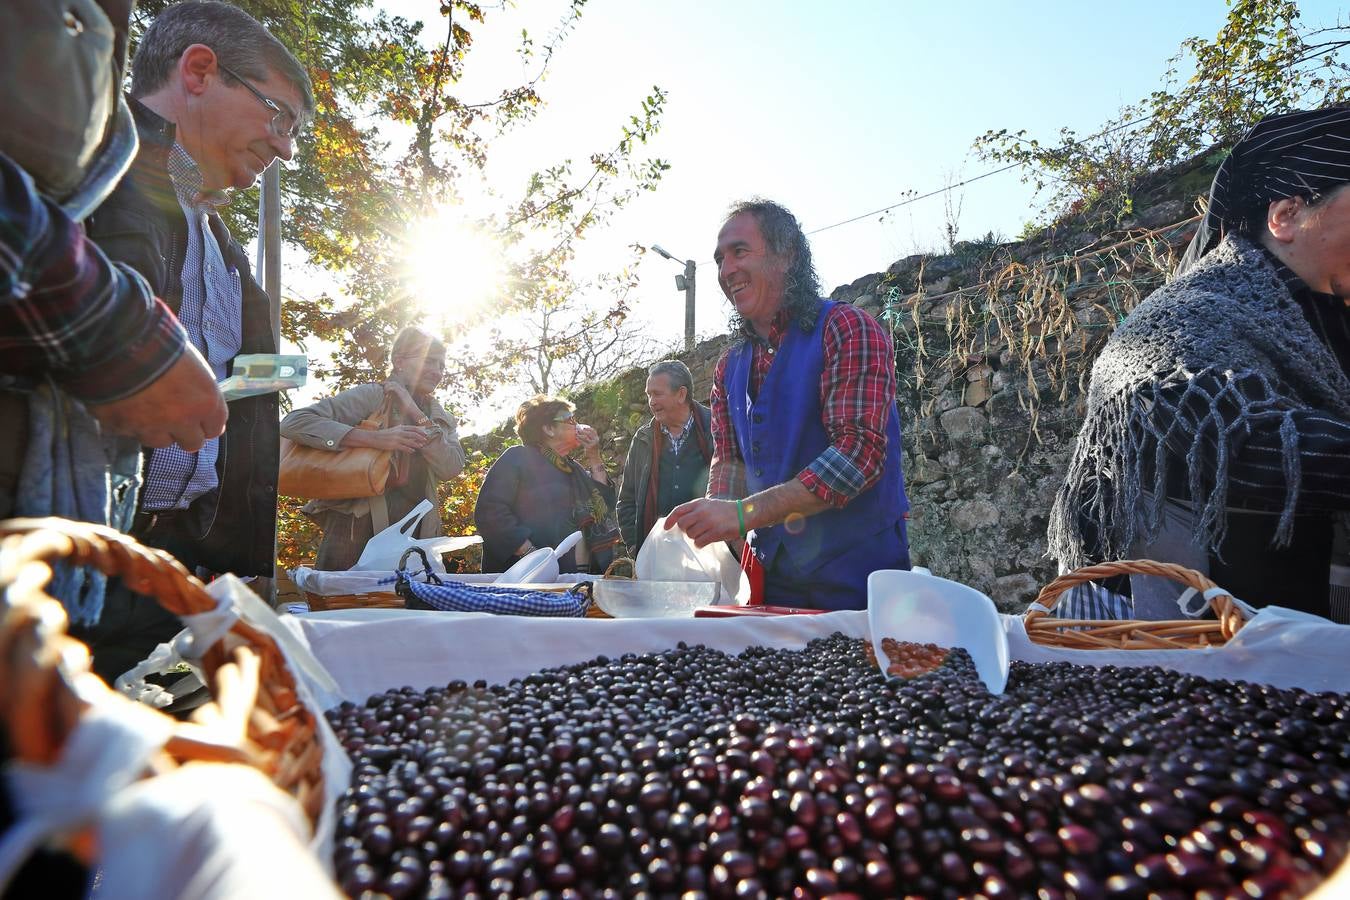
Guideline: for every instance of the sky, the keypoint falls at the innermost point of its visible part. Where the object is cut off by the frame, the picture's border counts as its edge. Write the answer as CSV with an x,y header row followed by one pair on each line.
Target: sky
x,y
833,109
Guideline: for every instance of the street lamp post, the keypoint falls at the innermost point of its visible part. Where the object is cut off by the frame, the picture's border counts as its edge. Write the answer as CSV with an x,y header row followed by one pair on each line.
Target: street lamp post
x,y
684,283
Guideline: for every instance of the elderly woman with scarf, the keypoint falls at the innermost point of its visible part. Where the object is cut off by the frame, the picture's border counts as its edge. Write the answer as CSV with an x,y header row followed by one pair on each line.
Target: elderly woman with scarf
x,y
535,495
1217,432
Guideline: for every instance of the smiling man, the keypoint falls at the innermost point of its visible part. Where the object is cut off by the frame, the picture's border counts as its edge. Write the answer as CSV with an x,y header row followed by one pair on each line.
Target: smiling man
x,y
216,99
668,460
806,435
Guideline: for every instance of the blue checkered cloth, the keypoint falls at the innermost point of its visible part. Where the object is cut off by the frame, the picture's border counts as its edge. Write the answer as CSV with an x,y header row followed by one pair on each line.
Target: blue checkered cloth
x,y
457,596
1092,601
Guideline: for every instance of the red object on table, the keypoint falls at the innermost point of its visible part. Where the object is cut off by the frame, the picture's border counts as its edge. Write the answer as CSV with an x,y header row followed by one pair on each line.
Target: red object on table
x,y
754,573
719,612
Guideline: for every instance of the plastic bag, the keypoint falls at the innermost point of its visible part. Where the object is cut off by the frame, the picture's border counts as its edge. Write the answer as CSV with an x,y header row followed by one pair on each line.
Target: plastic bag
x,y
383,551
670,555
317,689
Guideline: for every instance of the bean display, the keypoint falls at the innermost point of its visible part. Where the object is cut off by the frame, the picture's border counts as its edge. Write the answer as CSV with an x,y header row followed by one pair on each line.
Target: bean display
x,y
807,773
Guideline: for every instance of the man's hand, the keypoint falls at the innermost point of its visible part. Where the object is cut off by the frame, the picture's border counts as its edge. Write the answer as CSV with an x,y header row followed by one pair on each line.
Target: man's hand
x,y
706,521
183,406
400,437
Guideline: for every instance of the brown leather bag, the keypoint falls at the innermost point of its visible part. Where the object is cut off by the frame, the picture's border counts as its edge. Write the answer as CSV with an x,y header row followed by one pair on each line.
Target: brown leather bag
x,y
345,474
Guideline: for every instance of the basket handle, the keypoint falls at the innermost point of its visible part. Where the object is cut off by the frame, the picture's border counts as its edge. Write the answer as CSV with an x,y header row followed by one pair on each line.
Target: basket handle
x,y
282,732
618,563
1230,615
29,546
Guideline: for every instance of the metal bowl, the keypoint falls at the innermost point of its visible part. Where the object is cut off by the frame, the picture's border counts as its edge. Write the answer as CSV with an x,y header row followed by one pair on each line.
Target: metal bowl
x,y
625,599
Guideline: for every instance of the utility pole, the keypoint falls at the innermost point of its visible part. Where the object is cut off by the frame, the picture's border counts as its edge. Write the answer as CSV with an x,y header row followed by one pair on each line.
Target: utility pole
x,y
269,236
684,283
689,269
269,269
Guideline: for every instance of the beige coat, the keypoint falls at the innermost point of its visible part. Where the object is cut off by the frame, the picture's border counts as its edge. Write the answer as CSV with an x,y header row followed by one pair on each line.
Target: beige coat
x,y
325,423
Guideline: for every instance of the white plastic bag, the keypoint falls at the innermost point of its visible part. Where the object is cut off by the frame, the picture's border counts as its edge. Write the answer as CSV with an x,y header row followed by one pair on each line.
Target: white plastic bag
x,y
382,552
316,687
670,555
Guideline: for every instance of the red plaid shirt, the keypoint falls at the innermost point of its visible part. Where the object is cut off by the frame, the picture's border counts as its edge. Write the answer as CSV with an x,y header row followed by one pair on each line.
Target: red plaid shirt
x,y
66,311
857,388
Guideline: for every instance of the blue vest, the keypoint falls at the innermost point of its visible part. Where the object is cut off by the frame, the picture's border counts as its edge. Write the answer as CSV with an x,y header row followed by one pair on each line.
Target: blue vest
x,y
781,433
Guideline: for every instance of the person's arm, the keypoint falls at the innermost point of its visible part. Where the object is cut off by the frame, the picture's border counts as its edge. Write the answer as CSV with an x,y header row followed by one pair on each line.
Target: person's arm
x,y
1256,473
625,510
330,424
726,470
443,452
857,392
494,513
95,328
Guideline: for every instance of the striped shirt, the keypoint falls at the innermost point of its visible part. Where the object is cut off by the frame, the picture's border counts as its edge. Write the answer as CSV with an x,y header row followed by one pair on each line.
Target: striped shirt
x,y
66,311
212,312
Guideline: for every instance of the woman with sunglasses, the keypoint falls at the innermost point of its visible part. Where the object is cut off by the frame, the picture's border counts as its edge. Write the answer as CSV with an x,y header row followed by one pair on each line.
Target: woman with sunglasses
x,y
535,494
419,429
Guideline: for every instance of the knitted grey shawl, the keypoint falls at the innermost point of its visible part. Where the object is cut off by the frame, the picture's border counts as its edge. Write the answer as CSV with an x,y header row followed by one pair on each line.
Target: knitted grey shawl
x,y
1232,318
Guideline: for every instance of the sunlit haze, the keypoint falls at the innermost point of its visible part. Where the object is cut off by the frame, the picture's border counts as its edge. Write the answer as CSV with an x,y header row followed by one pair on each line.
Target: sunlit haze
x,y
834,110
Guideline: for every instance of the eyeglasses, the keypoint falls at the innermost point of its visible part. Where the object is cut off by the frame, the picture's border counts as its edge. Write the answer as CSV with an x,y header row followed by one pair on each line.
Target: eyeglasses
x,y
566,417
283,123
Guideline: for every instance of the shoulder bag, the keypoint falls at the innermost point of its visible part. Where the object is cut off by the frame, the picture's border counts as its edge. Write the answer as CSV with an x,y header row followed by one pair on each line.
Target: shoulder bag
x,y
346,474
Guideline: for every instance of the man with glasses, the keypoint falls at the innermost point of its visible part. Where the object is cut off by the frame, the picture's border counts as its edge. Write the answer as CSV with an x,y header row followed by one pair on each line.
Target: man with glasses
x,y
216,100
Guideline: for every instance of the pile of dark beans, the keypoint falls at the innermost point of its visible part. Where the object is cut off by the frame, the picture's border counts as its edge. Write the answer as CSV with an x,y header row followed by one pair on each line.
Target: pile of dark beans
x,y
806,773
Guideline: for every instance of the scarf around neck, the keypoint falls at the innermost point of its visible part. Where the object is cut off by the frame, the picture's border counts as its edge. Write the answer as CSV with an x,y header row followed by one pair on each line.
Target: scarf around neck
x,y
1231,320
590,513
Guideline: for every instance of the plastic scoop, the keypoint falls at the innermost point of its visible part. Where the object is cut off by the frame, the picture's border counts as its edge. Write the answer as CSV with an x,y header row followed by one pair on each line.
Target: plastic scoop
x,y
566,544
536,566
539,566
909,606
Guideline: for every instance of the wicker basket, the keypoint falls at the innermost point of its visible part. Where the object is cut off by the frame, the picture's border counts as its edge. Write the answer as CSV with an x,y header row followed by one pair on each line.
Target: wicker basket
x,y
621,563
373,600
1097,634
257,717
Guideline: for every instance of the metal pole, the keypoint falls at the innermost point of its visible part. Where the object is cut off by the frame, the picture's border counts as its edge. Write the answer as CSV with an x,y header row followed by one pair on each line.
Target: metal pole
x,y
271,241
689,269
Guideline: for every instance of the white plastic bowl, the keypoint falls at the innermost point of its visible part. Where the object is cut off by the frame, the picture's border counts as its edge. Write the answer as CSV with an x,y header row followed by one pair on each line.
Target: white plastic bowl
x,y
624,599
909,606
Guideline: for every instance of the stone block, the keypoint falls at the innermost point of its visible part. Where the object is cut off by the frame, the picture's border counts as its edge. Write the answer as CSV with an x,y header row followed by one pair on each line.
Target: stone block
x,y
978,372
974,514
963,423
1015,591
949,400
938,285
924,471
978,393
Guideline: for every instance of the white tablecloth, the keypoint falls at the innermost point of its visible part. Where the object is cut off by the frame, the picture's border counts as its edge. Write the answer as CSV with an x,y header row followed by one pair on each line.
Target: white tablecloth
x,y
372,650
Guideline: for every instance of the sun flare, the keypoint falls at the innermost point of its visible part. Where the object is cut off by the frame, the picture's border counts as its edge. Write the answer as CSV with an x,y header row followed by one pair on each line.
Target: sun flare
x,y
454,269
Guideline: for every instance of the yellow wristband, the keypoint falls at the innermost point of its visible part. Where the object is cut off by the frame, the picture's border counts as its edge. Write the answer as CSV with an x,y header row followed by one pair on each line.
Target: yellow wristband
x,y
740,516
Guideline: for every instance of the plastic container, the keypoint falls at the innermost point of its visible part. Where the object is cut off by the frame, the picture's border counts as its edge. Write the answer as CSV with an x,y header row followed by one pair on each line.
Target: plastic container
x,y
909,606
625,599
